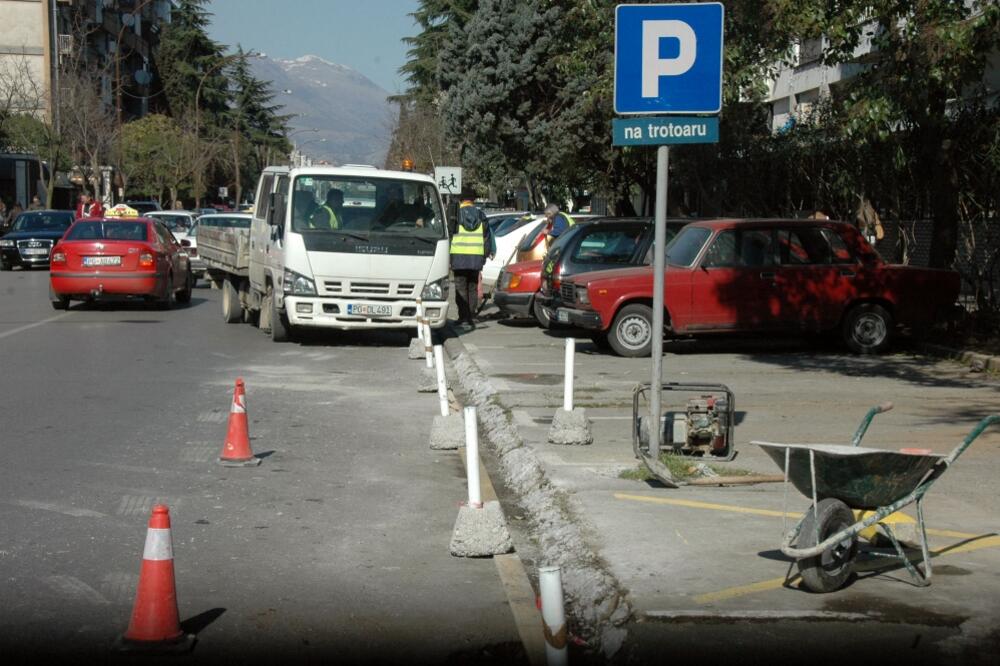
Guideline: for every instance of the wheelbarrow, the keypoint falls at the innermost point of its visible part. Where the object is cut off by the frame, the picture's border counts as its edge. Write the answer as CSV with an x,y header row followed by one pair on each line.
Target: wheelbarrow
x,y
842,478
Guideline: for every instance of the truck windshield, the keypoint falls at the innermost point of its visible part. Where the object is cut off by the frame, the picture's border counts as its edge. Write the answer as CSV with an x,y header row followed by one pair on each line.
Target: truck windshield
x,y
358,206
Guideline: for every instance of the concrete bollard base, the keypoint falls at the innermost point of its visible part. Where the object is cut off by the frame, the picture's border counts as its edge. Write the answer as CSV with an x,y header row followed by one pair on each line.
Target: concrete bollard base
x,y
428,381
571,428
448,432
416,351
481,532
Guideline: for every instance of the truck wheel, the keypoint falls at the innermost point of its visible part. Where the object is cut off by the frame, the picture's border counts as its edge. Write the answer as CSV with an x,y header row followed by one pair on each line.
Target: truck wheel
x,y
232,311
867,328
829,570
281,330
631,333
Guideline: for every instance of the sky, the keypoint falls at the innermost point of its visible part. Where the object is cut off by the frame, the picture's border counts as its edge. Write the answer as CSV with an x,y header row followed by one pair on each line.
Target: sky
x,y
366,36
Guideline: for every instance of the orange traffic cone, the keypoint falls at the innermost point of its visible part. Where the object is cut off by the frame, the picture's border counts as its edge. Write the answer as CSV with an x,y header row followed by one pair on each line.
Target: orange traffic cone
x,y
155,626
236,451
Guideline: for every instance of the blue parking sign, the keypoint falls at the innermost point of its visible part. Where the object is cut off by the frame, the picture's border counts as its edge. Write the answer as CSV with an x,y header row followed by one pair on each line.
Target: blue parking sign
x,y
668,58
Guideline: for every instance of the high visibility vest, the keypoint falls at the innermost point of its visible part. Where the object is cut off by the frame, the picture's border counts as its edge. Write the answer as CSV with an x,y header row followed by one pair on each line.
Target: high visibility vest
x,y
334,222
569,220
468,242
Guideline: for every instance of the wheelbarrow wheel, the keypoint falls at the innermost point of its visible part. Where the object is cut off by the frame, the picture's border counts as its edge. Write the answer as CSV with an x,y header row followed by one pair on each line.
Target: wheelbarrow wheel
x,y
829,570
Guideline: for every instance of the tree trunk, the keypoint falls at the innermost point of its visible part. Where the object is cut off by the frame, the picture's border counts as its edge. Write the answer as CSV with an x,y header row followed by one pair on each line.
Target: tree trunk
x,y
943,188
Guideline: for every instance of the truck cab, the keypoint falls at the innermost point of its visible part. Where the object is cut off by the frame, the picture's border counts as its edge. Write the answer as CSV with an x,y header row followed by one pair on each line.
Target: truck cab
x,y
345,248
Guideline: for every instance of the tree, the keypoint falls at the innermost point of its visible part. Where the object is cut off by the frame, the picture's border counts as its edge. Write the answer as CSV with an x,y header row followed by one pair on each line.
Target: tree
x,y
186,57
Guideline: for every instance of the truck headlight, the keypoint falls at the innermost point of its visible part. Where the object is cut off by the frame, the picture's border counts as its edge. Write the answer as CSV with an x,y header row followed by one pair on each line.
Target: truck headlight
x,y
6,243
297,285
582,296
435,291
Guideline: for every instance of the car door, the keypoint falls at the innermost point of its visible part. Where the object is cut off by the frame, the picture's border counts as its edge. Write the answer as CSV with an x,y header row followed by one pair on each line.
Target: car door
x,y
815,276
260,232
273,243
732,287
174,260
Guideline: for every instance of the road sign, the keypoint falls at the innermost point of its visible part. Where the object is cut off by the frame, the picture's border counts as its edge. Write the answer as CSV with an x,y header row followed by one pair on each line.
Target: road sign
x,y
664,131
668,58
448,179
223,192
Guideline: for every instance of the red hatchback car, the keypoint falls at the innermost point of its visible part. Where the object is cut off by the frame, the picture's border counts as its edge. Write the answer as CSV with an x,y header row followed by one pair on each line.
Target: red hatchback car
x,y
762,275
517,289
118,258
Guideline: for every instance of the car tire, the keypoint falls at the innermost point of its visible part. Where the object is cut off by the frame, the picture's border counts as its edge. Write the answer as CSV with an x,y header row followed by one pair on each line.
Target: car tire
x,y
58,302
184,295
232,310
867,328
538,311
631,333
169,299
828,571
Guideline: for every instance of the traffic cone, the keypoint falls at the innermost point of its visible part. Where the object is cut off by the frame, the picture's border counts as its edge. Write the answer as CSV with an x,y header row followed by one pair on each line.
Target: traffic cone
x,y
236,451
155,626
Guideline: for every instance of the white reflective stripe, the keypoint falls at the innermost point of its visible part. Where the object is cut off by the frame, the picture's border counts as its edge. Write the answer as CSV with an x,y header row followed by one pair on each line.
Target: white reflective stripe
x,y
158,545
238,406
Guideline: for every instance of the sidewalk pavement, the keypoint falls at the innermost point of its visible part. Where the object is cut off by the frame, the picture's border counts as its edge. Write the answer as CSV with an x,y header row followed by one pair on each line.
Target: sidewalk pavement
x,y
710,555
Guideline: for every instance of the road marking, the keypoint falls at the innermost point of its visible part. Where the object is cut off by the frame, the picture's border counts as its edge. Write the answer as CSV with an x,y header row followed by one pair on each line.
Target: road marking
x,y
215,416
763,512
28,327
141,505
199,452
66,510
740,591
773,615
474,348
75,589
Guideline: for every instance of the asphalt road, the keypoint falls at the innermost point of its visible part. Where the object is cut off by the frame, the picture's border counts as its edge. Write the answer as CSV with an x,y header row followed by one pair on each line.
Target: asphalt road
x,y
335,547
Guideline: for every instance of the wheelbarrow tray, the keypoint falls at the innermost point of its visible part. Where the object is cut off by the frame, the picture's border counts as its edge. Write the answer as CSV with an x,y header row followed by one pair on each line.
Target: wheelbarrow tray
x,y
861,478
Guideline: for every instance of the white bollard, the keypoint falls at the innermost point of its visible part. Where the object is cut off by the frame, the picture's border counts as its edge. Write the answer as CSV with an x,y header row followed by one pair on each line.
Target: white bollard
x,y
420,320
568,385
442,386
553,616
472,458
428,340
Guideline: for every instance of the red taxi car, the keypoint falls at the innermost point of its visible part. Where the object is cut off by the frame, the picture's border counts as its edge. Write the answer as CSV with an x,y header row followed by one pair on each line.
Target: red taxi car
x,y
121,257
762,275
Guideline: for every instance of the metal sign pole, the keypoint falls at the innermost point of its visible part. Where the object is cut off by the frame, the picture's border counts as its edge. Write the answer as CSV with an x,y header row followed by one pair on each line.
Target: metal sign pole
x,y
659,265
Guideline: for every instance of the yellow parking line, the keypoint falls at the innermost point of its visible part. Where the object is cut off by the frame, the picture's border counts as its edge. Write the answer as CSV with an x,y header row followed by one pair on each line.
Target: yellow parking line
x,y
740,591
731,508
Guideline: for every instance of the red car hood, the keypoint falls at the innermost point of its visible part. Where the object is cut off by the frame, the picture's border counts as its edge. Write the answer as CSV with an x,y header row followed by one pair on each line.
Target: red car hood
x,y
525,267
641,272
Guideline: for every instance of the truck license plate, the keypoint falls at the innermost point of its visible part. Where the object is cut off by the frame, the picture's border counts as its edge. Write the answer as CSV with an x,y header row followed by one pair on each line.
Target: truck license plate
x,y
369,310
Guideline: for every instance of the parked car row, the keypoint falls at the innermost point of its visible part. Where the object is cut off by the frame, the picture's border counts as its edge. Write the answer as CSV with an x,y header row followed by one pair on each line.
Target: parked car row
x,y
723,276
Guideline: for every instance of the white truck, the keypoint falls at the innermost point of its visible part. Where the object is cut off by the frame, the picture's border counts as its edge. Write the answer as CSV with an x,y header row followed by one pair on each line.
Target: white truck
x,y
362,267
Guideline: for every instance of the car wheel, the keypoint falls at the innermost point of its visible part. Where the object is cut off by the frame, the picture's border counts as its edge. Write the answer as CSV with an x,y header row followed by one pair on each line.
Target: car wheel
x,y
58,301
541,317
184,295
867,328
169,299
631,333
232,311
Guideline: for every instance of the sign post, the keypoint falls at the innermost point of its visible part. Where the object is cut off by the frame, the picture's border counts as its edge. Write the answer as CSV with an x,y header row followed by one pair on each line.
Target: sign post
x,y
668,60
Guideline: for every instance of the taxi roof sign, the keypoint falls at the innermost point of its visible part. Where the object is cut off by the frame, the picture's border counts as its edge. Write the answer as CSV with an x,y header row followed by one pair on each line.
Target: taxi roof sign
x,y
121,210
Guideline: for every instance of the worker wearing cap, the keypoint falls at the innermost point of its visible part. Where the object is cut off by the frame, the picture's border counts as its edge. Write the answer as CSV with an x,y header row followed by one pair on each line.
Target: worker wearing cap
x,y
471,244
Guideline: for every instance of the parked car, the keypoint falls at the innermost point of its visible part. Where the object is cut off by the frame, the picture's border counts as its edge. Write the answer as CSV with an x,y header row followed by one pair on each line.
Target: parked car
x,y
121,257
30,239
507,236
762,275
181,224
534,245
602,244
517,288
143,207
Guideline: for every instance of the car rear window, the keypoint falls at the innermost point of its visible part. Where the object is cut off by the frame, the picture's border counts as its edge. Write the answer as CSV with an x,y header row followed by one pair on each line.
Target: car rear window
x,y
531,237
684,248
83,231
608,246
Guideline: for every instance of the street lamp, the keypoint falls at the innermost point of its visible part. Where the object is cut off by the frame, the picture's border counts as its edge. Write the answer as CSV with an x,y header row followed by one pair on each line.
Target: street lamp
x,y
298,149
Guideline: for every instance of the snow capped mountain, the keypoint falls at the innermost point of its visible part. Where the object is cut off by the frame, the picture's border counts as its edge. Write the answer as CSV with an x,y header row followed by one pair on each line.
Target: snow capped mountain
x,y
350,113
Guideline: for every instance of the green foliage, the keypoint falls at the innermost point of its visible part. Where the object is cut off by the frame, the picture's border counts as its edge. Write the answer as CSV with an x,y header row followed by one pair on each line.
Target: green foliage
x,y
187,59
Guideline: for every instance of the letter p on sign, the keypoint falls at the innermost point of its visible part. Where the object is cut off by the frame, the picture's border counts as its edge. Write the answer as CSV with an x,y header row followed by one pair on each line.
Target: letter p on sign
x,y
653,66
668,58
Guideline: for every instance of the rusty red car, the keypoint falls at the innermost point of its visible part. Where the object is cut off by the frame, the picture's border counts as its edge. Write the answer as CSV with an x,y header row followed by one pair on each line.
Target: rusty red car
x,y
119,258
772,275
517,290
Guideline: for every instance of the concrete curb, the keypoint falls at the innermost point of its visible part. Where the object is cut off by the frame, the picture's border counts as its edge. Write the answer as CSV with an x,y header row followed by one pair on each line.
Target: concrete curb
x,y
595,599
975,359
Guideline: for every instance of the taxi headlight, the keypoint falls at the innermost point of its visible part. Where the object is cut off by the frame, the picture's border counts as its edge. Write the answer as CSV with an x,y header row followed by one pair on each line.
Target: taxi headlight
x,y
435,291
298,285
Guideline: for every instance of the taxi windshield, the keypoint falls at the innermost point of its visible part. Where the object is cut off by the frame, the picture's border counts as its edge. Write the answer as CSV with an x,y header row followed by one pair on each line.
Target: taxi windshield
x,y
360,206
84,231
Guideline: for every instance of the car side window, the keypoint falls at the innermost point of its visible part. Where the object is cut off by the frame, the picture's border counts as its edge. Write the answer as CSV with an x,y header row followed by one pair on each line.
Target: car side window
x,y
166,237
841,253
739,248
264,197
806,246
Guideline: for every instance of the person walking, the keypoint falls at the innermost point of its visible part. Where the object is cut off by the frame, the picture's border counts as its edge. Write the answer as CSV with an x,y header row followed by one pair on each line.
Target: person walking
x,y
559,222
471,244
82,203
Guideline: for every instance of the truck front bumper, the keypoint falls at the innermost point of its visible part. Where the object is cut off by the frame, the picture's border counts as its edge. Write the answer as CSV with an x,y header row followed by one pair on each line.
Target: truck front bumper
x,y
340,313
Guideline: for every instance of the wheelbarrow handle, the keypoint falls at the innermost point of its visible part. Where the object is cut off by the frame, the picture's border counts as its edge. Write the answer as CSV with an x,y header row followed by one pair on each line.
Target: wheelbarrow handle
x,y
971,437
867,420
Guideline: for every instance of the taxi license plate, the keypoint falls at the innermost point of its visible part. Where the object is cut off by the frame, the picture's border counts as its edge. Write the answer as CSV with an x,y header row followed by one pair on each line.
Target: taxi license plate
x,y
35,251
102,261
369,310
562,316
